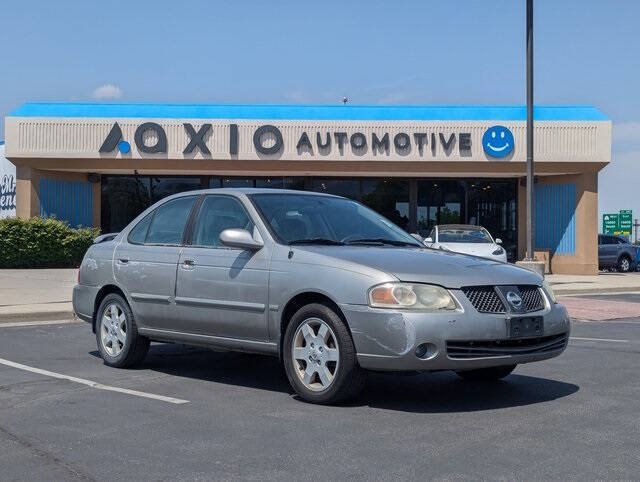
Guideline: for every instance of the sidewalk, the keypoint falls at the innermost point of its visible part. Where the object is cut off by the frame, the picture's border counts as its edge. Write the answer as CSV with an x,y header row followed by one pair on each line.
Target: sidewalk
x,y
36,294
565,284
45,294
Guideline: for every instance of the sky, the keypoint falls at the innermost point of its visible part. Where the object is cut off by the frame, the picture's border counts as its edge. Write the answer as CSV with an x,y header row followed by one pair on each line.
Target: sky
x,y
374,52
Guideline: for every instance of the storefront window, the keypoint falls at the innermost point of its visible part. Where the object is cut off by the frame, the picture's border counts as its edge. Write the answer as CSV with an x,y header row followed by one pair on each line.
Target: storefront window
x,y
488,203
439,202
236,182
123,198
340,187
492,204
162,187
389,198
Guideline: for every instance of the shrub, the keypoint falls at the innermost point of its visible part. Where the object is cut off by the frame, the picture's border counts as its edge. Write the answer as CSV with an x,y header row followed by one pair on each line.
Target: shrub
x,y
42,243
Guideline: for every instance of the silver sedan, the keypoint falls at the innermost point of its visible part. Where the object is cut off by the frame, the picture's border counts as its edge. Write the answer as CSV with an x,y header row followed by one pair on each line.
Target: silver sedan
x,y
327,285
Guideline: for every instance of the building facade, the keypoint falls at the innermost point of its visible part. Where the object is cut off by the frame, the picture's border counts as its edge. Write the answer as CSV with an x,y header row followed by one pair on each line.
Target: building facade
x,y
102,164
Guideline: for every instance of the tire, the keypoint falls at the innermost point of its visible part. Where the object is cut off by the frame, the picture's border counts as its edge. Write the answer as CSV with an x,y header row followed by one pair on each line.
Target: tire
x,y
332,357
110,336
624,264
487,374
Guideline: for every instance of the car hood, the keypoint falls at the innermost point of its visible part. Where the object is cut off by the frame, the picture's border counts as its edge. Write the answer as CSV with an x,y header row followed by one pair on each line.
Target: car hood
x,y
475,249
423,265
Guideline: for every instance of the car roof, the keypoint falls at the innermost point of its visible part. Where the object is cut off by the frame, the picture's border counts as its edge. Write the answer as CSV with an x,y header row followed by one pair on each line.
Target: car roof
x,y
460,226
251,190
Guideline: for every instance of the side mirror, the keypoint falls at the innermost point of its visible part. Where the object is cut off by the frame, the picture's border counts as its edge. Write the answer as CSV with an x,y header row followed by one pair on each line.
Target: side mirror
x,y
498,241
428,240
240,238
417,237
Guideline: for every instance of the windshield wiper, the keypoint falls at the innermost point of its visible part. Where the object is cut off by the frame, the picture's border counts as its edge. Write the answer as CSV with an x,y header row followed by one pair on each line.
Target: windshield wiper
x,y
328,242
391,242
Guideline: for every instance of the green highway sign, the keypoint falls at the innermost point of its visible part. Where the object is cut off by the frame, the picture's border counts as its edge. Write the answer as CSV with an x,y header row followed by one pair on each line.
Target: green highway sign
x,y
625,222
610,223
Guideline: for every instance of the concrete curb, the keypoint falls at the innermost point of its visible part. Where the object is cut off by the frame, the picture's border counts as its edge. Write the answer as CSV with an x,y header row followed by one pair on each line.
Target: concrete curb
x,y
37,312
37,316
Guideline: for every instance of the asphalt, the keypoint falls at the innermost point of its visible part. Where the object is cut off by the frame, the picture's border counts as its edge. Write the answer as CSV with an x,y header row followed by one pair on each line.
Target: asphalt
x,y
572,417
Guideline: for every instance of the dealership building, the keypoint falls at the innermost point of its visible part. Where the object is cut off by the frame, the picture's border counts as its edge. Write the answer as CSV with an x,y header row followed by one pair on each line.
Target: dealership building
x,y
102,164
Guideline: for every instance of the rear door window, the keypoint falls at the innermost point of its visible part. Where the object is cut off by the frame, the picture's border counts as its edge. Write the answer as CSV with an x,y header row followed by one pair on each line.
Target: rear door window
x,y
169,221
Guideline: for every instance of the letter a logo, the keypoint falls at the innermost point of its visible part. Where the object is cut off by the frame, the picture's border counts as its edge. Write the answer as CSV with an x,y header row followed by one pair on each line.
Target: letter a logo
x,y
114,139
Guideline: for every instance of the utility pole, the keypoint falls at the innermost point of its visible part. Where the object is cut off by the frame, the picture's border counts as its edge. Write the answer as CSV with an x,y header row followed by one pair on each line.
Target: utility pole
x,y
530,197
636,224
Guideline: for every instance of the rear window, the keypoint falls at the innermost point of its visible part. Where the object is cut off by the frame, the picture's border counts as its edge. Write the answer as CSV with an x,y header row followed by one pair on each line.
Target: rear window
x,y
165,225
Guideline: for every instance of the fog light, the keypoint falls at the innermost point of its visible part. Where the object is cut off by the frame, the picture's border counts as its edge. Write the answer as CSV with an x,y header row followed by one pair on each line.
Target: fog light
x,y
426,350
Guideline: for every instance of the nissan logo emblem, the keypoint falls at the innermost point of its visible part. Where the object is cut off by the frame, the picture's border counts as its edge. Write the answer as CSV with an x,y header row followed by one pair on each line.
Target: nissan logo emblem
x,y
514,300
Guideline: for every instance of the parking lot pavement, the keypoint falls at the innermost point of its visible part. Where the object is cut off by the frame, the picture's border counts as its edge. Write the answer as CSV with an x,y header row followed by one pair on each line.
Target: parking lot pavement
x,y
575,416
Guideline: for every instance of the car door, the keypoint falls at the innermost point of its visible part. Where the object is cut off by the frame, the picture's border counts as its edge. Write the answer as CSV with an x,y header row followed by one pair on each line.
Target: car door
x,y
222,291
610,250
145,262
602,254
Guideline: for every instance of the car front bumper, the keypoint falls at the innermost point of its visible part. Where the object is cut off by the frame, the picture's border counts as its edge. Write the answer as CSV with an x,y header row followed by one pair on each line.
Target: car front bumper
x,y
387,340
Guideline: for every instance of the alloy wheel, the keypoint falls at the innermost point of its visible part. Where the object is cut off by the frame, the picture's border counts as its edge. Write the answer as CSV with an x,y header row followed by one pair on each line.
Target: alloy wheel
x,y
315,354
624,265
113,329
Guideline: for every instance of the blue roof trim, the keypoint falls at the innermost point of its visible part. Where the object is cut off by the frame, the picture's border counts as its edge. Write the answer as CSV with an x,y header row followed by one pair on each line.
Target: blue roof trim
x,y
309,112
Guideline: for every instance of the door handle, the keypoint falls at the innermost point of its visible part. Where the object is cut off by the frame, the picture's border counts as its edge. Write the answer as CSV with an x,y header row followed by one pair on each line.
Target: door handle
x,y
189,263
123,260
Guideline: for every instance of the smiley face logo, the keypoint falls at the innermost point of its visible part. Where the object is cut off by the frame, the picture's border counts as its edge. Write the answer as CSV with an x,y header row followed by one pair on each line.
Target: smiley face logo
x,y
497,141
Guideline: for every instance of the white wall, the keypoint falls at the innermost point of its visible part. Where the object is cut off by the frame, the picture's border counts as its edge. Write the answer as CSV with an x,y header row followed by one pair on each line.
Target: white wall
x,y
7,186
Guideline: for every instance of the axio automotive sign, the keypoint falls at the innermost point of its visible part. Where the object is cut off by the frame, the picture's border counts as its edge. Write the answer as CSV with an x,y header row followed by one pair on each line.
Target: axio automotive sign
x,y
269,140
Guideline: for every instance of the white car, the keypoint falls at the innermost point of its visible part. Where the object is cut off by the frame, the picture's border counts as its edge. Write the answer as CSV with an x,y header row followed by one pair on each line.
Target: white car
x,y
466,239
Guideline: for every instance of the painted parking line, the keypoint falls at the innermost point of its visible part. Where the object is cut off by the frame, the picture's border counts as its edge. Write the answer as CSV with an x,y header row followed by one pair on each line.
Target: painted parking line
x,y
597,339
14,324
91,383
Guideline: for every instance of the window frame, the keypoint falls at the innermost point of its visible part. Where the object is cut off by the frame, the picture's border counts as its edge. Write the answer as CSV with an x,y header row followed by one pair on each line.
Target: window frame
x,y
153,213
191,227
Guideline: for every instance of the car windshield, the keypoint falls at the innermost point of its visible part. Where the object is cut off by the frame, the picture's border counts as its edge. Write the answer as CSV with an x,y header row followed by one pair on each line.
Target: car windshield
x,y
463,234
314,219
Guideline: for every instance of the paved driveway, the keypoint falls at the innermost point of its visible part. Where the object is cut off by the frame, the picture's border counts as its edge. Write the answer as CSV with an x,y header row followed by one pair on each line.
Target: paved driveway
x,y
571,417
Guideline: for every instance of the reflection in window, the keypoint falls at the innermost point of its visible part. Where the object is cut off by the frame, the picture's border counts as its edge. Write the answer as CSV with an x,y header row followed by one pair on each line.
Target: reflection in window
x,y
340,187
123,198
169,220
439,202
236,182
217,214
162,187
389,198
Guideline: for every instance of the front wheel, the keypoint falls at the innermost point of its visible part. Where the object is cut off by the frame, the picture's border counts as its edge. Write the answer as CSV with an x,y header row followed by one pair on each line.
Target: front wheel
x,y
119,343
624,264
319,356
486,374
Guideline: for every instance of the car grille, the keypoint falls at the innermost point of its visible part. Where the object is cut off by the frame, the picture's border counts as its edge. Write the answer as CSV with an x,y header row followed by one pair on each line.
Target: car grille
x,y
484,299
496,348
531,297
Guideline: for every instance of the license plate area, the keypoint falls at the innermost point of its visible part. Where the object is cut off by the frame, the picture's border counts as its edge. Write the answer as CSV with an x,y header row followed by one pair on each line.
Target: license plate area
x,y
526,326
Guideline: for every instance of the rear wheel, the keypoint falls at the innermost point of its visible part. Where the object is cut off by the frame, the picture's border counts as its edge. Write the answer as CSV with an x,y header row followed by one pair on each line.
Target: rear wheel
x,y
624,264
487,374
119,343
320,358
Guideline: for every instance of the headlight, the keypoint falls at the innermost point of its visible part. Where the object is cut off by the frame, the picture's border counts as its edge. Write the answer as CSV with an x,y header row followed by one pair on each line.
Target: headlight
x,y
412,296
549,290
498,251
